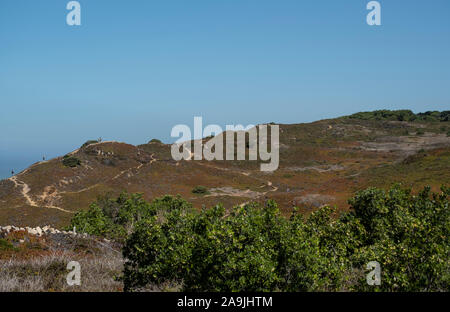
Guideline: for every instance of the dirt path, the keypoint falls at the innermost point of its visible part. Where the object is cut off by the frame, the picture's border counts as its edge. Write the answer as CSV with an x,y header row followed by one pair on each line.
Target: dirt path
x,y
135,168
242,193
54,194
26,189
269,183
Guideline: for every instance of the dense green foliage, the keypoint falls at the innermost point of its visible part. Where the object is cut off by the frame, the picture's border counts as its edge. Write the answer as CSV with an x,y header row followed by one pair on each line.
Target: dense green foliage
x,y
254,248
155,141
402,115
71,161
113,217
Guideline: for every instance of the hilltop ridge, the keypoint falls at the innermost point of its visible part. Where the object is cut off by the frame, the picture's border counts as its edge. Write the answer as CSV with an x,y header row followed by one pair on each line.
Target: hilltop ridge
x,y
322,162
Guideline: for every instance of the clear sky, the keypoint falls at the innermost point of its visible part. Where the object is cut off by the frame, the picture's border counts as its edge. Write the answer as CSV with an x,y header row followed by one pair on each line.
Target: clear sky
x,y
136,68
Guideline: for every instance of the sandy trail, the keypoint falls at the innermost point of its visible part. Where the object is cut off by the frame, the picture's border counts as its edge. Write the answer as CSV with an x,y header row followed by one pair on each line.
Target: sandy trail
x,y
269,183
26,189
153,159
243,193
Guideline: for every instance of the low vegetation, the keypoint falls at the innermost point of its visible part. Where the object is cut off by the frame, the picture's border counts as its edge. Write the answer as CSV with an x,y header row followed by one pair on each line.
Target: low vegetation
x,y
89,142
255,248
113,217
6,245
402,115
71,161
29,263
420,132
200,190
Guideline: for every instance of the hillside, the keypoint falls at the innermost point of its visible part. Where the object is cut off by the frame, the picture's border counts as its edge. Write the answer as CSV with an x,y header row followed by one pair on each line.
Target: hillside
x,y
323,162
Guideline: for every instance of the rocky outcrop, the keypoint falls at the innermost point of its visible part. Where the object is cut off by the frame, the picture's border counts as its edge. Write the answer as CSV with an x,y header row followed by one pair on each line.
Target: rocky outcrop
x,y
38,231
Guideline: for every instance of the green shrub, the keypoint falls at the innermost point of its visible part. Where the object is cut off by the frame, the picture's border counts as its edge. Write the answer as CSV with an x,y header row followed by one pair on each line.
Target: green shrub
x,y
408,235
420,131
6,245
155,141
200,190
402,115
89,143
71,161
113,217
398,115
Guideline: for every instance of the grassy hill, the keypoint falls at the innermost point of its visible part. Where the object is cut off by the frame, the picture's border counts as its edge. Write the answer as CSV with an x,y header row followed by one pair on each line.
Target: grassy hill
x,y
323,162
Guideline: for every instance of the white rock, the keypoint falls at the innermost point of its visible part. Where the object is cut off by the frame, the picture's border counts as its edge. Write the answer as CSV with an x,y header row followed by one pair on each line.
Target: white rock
x,y
32,231
39,230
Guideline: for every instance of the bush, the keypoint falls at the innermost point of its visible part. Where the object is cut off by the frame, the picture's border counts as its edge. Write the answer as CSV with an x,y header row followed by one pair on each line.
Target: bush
x,y
402,115
200,190
398,115
71,161
408,235
6,245
155,141
113,217
254,248
89,143
420,132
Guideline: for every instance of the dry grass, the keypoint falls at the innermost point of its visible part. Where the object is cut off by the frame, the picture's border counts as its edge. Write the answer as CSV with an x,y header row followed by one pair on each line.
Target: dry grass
x,y
48,273
41,265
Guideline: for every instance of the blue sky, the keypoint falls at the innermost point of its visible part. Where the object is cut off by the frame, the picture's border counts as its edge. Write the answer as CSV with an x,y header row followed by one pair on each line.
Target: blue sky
x,y
134,69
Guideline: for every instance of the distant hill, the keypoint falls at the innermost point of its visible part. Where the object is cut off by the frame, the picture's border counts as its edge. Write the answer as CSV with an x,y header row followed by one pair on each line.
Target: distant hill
x,y
402,115
322,162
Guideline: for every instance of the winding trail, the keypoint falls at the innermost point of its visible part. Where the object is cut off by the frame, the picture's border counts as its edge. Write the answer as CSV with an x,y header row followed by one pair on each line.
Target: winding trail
x,y
135,168
274,189
247,174
269,183
26,189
